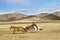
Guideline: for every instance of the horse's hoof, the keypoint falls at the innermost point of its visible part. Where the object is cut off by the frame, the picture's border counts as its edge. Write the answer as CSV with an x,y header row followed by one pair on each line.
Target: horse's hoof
x,y
41,29
13,33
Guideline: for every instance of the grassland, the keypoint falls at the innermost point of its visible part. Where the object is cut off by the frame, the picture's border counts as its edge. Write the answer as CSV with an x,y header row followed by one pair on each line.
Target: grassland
x,y
51,31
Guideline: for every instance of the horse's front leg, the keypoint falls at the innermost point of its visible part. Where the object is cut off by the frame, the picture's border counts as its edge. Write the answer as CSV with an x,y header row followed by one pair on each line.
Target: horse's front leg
x,y
14,31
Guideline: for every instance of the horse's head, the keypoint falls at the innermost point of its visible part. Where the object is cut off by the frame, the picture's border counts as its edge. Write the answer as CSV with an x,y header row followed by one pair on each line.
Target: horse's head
x,y
11,27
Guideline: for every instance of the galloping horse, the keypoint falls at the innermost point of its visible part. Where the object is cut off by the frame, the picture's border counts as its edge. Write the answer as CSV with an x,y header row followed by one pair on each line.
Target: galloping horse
x,y
31,26
36,27
17,29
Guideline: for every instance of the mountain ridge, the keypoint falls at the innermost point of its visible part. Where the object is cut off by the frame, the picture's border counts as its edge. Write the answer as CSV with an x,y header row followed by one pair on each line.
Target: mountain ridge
x,y
20,16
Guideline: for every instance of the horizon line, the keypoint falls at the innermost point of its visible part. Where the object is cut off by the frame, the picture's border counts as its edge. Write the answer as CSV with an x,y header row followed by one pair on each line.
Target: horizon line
x,y
26,13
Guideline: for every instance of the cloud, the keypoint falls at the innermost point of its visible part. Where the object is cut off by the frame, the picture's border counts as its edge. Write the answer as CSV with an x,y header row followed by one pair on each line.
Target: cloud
x,y
21,2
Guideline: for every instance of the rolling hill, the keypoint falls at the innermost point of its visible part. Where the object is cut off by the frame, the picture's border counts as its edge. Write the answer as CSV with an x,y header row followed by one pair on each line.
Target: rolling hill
x,y
57,13
52,17
19,17
12,16
42,14
31,18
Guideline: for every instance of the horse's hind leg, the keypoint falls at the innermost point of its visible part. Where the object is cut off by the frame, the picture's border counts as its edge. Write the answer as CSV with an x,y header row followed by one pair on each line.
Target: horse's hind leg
x,y
13,32
22,31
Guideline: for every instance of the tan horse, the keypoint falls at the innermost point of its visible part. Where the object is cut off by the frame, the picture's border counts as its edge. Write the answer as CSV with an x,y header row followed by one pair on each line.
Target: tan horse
x,y
17,29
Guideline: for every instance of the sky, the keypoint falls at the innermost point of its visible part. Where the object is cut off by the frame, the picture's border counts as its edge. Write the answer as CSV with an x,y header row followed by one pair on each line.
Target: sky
x,y
29,6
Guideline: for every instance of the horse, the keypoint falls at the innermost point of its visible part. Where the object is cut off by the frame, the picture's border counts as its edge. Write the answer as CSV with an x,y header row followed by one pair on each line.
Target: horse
x,y
30,27
36,27
20,28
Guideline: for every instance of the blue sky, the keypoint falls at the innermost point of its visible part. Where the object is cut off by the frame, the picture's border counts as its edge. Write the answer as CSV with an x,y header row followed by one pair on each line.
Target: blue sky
x,y
29,6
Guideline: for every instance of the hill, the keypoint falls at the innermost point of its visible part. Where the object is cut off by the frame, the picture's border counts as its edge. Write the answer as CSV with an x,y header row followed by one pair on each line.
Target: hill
x,y
12,16
42,14
31,18
52,17
19,17
57,13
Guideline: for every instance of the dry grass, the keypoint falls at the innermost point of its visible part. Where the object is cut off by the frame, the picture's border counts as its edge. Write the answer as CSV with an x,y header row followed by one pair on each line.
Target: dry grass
x,y
51,31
